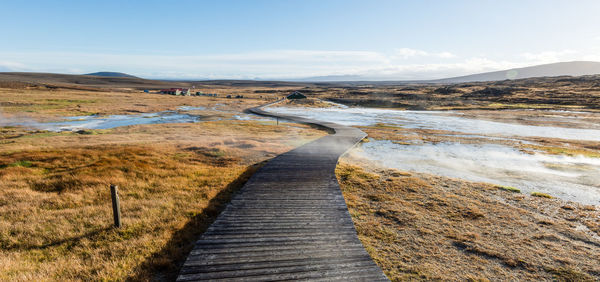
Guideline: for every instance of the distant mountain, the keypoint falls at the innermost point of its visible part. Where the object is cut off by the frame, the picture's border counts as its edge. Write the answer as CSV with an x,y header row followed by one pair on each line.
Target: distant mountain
x,y
111,74
94,81
331,78
575,68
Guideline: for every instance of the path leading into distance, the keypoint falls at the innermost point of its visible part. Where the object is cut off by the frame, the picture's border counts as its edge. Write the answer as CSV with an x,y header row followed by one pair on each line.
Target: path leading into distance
x,y
288,222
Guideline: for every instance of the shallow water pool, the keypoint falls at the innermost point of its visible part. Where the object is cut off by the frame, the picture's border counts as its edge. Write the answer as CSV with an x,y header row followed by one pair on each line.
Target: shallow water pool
x,y
112,121
436,120
570,178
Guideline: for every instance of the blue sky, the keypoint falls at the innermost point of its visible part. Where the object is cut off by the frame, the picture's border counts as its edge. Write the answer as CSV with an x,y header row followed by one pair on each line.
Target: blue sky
x,y
294,39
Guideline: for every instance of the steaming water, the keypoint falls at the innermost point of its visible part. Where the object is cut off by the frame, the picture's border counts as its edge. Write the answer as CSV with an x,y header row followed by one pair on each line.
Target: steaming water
x,y
570,178
112,121
436,120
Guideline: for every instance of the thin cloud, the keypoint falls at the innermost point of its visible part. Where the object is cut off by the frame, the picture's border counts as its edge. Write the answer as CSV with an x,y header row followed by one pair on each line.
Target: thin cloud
x,y
549,56
403,63
12,66
406,53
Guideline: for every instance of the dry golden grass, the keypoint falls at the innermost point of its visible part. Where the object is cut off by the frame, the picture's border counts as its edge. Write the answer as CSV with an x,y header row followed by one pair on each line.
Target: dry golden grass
x,y
307,102
44,104
56,214
55,209
423,227
569,93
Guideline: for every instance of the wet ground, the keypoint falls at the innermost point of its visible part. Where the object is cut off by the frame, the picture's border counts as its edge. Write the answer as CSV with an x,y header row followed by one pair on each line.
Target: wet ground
x,y
184,114
443,120
478,147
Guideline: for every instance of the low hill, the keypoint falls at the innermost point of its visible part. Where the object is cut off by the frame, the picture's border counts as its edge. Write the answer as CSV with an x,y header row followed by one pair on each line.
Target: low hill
x,y
111,74
576,68
88,82
93,81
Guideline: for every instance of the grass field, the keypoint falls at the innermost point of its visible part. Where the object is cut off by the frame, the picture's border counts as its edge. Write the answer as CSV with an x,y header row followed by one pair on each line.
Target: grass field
x,y
425,227
55,209
55,212
46,104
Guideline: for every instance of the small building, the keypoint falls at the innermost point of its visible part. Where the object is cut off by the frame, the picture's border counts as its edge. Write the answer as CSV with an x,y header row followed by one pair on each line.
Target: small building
x,y
172,91
296,95
176,91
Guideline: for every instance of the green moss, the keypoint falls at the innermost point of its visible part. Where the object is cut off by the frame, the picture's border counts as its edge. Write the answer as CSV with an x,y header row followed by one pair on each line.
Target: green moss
x,y
21,163
70,101
215,153
519,106
384,125
44,134
569,152
541,195
508,188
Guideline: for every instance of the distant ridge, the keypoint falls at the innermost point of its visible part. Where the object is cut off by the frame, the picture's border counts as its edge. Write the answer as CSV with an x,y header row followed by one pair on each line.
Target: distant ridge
x,y
93,80
575,68
111,74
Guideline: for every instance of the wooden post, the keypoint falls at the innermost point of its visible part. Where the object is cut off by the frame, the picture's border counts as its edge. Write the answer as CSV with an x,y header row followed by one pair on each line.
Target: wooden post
x,y
277,120
114,190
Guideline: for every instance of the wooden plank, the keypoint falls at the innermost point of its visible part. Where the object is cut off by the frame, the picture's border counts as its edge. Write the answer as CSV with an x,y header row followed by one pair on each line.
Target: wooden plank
x,y
289,221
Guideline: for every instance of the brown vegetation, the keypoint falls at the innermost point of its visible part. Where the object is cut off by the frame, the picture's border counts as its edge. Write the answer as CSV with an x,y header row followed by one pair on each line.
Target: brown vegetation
x,y
55,210
55,216
533,93
52,104
307,102
424,227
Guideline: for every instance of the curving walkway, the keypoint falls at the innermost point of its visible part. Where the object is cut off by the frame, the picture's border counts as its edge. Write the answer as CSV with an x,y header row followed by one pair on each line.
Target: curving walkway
x,y
289,222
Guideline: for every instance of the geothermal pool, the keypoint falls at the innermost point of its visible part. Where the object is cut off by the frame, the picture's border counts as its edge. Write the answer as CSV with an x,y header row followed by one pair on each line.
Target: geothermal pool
x,y
570,178
437,120
112,121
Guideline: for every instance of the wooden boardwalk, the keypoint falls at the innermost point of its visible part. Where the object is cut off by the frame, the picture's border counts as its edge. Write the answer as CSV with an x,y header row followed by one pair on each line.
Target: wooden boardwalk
x,y
289,222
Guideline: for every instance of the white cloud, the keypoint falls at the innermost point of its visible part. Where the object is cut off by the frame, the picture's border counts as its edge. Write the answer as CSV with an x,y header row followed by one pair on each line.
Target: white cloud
x,y
595,57
406,53
403,63
445,55
549,56
12,66
439,70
